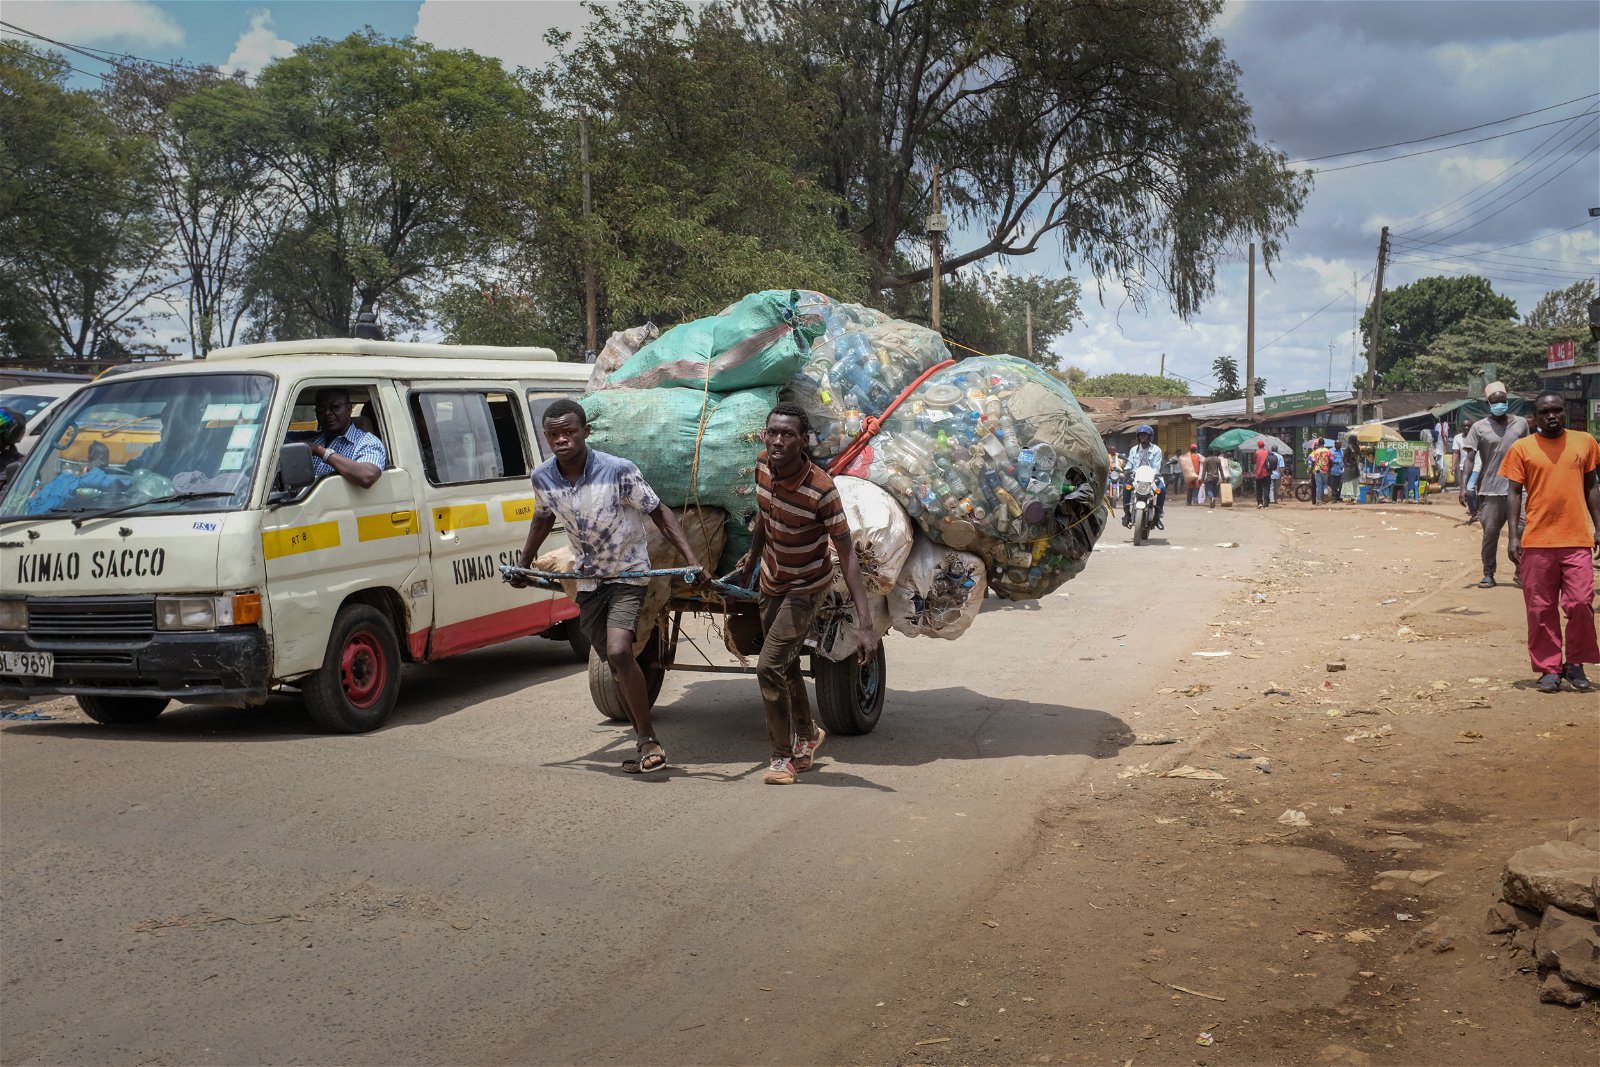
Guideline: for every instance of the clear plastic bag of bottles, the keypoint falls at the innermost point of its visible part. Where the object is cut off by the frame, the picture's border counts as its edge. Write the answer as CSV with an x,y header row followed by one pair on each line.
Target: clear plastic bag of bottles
x,y
994,456
939,593
858,371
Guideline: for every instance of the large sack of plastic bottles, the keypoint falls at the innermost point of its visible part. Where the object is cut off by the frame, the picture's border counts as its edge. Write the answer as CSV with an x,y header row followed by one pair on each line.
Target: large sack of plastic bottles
x,y
994,456
939,593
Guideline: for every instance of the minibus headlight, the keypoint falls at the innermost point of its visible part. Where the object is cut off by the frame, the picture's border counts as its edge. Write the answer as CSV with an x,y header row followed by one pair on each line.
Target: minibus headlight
x,y
207,612
13,614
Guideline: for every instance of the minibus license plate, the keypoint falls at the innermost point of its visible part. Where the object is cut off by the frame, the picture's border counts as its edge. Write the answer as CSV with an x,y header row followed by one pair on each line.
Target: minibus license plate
x,y
36,664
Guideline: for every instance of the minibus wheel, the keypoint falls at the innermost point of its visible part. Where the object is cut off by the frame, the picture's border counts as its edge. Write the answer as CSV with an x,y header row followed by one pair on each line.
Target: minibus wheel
x,y
122,711
356,687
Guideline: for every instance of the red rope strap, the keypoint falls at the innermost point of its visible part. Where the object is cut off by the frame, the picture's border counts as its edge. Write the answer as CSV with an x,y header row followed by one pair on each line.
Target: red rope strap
x,y
871,424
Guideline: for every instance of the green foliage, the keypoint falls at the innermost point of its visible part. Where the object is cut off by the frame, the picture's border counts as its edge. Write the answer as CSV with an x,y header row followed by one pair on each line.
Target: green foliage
x,y
1131,385
81,251
1564,308
1075,377
1452,357
989,311
487,314
1226,369
404,164
1116,129
1414,315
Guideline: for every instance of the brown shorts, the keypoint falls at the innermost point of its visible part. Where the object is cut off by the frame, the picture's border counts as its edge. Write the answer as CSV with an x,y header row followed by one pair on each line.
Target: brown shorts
x,y
614,604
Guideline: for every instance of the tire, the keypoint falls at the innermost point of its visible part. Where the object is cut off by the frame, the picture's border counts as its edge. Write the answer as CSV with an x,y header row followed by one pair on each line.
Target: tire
x,y
1303,491
603,686
1141,528
849,695
122,711
580,644
355,689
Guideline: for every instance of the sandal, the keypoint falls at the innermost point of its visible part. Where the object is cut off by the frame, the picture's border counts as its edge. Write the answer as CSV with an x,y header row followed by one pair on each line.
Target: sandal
x,y
646,763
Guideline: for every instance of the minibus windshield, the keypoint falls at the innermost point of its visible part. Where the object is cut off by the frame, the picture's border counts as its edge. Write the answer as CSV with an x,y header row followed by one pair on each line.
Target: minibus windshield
x,y
181,442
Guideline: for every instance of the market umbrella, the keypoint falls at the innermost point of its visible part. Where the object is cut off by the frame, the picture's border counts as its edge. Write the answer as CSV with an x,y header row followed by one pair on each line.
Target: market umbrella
x,y
1238,438
1374,433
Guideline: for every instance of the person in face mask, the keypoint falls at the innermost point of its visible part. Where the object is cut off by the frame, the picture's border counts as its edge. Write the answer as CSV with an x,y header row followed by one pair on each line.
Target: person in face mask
x,y
1555,470
1490,439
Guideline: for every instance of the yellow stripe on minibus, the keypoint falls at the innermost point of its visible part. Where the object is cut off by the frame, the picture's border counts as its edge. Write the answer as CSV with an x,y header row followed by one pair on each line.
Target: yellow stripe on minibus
x,y
517,510
386,524
460,516
293,540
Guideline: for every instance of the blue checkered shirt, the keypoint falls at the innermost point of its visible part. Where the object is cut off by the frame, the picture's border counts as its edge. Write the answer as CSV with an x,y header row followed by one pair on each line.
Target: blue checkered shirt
x,y
354,444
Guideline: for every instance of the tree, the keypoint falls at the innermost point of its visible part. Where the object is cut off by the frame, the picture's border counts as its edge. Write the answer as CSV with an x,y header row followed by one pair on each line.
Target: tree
x,y
1131,385
1117,130
1450,359
1415,314
1567,307
404,164
215,194
81,251
988,311
699,194
1075,377
1226,369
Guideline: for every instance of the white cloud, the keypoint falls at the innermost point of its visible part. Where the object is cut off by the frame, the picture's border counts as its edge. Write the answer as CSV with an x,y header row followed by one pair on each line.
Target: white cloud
x,y
512,33
258,46
128,23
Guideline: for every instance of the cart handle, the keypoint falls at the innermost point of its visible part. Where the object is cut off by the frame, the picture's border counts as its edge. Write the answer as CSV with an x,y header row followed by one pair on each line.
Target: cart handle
x,y
552,579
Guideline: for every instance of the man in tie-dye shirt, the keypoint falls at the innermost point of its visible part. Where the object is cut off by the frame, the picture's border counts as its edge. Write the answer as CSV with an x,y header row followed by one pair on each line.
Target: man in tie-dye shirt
x,y
602,500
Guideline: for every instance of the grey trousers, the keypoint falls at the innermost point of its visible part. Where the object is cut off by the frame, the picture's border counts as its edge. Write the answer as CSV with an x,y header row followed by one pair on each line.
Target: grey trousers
x,y
1494,512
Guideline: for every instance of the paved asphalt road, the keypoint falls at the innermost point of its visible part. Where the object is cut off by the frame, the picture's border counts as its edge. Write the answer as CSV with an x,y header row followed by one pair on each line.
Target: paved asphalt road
x,y
477,883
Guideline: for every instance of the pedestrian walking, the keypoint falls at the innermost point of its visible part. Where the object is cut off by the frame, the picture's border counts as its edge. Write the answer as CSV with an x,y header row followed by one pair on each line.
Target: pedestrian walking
x,y
1350,489
1489,440
1263,475
1191,464
1467,477
1553,474
798,515
1321,470
1275,466
1213,471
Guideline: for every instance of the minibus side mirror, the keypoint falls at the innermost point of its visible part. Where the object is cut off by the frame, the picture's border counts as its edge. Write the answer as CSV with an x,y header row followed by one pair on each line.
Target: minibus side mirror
x,y
295,468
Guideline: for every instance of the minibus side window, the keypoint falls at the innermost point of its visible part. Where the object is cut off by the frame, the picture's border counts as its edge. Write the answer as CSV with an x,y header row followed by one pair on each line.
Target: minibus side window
x,y
471,436
539,401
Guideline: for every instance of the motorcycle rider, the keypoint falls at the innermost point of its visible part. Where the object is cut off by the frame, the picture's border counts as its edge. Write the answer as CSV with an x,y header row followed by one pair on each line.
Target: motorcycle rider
x,y
1144,454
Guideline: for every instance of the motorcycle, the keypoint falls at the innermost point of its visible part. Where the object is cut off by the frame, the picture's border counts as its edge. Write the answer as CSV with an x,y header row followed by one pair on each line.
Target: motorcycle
x,y
1146,490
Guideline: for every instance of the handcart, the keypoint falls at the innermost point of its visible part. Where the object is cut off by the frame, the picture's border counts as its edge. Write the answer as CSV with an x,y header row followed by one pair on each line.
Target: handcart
x,y
849,693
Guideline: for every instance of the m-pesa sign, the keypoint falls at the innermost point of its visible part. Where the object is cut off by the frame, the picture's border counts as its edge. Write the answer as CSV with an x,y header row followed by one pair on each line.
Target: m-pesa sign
x,y
1561,354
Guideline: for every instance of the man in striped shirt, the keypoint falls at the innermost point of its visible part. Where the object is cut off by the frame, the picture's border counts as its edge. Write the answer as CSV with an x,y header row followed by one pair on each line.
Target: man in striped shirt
x,y
799,514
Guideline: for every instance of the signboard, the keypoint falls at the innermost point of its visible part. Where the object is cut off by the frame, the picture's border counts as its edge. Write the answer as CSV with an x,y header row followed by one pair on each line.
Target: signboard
x,y
1561,354
1594,417
1310,398
1405,454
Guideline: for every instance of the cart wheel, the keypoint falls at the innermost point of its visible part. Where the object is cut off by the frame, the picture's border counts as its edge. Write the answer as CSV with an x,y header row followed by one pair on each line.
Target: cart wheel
x,y
1302,492
849,695
603,687
573,633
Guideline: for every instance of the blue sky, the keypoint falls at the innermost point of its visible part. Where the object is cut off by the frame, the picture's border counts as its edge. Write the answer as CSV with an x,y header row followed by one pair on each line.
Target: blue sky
x,y
1323,77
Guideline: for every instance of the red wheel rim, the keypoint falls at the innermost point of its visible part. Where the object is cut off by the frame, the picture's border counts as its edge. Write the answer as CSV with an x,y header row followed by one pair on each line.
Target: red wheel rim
x,y
363,670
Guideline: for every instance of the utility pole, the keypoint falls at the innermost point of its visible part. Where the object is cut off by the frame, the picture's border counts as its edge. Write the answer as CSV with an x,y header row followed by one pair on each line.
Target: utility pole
x,y
1029,307
936,226
1163,365
1377,324
1250,343
591,313
1330,366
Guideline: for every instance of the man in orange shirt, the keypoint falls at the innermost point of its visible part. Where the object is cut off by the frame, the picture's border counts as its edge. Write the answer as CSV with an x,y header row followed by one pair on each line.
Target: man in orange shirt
x,y
1555,469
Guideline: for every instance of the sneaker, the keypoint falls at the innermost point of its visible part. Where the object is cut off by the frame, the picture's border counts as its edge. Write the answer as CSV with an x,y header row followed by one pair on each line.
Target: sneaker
x,y
781,772
1573,673
1549,683
805,751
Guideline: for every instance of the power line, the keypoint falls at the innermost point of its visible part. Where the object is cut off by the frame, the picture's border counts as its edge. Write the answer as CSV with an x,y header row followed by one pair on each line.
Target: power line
x,y
1576,159
1441,250
1347,291
100,54
1447,133
1458,144
1480,192
1492,273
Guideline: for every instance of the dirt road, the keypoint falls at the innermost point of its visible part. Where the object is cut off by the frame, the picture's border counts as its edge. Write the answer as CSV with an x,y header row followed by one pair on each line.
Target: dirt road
x,y
973,882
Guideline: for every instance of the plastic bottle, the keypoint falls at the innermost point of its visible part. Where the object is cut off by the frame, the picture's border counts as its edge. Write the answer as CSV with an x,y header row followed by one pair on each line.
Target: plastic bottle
x,y
1024,467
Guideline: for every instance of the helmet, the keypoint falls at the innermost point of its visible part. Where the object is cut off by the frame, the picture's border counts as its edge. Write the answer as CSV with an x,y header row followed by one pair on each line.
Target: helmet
x,y
12,427
1145,429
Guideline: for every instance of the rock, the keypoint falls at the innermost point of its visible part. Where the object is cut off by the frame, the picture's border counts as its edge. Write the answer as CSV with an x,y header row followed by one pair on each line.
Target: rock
x,y
1506,918
1557,990
1584,832
1441,935
1405,879
1570,944
1336,666
1557,872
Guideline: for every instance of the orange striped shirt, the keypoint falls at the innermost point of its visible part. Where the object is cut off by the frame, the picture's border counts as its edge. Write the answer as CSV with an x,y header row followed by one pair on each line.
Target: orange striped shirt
x,y
800,514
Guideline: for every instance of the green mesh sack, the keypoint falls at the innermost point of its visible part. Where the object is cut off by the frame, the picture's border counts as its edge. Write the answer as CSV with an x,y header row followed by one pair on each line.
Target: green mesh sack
x,y
760,341
658,430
